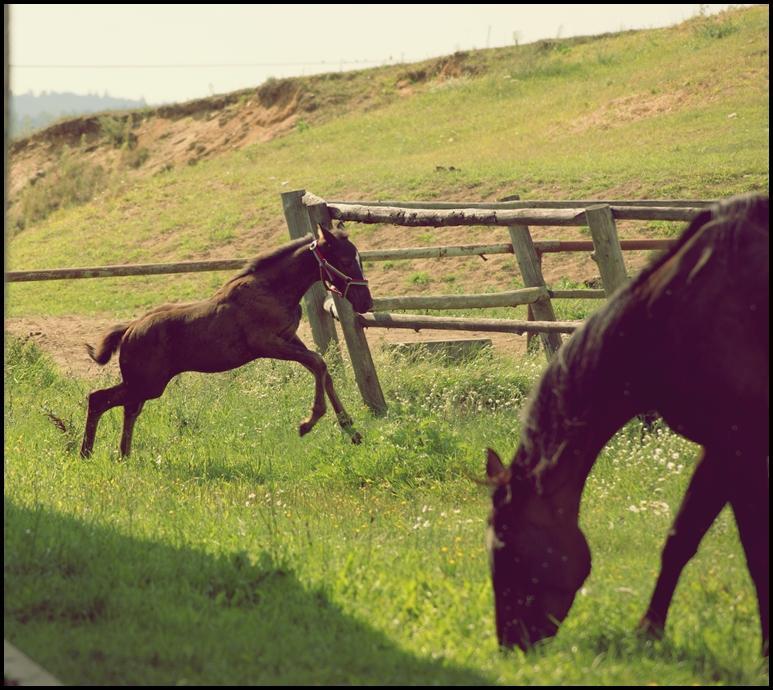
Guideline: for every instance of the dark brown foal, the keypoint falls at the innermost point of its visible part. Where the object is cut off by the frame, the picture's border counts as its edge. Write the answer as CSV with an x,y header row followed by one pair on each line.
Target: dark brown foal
x,y
254,315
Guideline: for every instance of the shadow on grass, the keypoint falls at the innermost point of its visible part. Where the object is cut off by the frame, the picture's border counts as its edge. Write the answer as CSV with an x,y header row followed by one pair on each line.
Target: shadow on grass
x,y
95,606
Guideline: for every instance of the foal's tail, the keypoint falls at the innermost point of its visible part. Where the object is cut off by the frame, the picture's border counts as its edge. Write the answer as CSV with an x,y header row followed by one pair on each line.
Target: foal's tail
x,y
108,346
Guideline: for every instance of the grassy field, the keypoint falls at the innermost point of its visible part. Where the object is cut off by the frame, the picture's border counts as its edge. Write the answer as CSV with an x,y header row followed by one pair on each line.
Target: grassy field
x,y
227,550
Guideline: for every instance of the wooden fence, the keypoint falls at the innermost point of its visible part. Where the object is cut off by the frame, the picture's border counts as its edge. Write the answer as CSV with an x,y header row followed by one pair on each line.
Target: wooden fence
x,y
303,211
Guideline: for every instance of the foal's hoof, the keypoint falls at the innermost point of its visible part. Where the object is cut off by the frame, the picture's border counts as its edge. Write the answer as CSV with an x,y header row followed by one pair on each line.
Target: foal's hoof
x,y
347,425
305,428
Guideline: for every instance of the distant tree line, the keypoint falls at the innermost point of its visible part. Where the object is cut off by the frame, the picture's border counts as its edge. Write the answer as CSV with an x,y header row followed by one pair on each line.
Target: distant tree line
x,y
30,112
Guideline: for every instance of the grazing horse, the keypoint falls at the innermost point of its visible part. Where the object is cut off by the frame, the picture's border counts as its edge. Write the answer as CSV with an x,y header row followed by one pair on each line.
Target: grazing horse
x,y
688,338
255,314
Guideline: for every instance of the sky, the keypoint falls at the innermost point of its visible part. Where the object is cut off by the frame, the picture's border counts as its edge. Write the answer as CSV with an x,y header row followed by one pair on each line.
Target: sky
x,y
167,53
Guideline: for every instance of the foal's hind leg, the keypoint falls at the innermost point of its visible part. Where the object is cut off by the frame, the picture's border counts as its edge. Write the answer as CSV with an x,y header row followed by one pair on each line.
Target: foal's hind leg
x,y
99,402
344,420
705,497
131,411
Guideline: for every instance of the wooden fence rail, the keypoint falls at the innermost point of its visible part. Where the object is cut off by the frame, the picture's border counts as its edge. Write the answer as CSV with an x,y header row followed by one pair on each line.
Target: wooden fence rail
x,y
125,270
423,217
516,202
450,323
513,298
541,247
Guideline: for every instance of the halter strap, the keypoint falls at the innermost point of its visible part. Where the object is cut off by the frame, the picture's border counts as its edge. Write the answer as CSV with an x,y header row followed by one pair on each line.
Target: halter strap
x,y
327,270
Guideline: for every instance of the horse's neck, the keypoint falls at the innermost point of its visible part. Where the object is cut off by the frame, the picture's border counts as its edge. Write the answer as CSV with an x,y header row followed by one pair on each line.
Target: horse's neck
x,y
590,389
301,272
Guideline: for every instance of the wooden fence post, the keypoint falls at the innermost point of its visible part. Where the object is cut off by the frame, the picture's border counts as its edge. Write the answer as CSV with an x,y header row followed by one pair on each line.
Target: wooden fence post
x,y
299,224
607,253
359,353
354,333
529,263
532,339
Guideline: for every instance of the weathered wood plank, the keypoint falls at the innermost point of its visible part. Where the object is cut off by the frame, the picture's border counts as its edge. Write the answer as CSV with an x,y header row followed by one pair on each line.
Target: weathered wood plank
x,y
125,270
464,216
654,213
422,217
536,203
556,246
448,323
529,263
541,246
577,294
362,362
512,298
435,252
317,208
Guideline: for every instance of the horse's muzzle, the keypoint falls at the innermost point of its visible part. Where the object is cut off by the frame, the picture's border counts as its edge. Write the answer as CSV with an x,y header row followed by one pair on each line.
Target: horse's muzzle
x,y
359,296
361,304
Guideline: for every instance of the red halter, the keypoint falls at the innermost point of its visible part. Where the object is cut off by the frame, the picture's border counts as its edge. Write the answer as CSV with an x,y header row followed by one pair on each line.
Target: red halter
x,y
327,270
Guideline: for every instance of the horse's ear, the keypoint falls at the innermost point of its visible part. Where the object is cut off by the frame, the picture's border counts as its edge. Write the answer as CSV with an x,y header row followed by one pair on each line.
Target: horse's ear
x,y
326,233
497,473
494,466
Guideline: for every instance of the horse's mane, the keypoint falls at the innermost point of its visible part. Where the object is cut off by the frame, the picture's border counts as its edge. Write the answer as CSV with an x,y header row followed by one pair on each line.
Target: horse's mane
x,y
552,407
270,258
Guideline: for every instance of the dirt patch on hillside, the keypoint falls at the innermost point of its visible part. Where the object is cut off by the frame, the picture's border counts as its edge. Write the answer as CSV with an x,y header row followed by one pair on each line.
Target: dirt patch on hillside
x,y
444,69
172,136
145,142
636,107
64,339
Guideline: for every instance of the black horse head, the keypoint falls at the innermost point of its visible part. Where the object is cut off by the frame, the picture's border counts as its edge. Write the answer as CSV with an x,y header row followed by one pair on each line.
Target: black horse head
x,y
538,556
341,268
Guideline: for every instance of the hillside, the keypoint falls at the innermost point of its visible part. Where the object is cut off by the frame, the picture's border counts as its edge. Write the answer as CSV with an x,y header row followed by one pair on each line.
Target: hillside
x,y
147,141
663,113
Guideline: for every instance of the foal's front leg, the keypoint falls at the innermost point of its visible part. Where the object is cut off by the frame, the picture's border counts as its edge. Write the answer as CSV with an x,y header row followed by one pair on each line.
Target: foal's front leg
x,y
344,420
295,350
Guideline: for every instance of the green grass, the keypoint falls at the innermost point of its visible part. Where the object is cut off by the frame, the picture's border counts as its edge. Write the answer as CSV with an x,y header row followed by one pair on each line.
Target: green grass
x,y
227,550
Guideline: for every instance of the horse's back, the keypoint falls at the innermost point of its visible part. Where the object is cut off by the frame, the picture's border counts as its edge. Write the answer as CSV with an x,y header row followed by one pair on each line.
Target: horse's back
x,y
712,300
167,340
232,328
